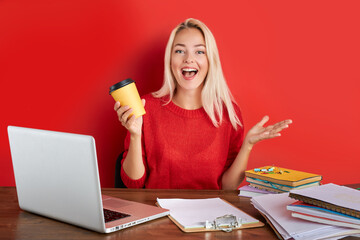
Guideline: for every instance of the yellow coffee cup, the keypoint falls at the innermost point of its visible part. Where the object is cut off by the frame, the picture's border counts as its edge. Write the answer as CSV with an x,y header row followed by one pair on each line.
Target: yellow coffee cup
x,y
126,93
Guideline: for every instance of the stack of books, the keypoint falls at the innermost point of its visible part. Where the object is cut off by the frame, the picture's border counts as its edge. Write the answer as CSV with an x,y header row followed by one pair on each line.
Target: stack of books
x,y
328,204
280,180
320,212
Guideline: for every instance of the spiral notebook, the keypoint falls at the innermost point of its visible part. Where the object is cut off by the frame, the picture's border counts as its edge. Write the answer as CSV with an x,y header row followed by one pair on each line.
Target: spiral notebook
x,y
331,196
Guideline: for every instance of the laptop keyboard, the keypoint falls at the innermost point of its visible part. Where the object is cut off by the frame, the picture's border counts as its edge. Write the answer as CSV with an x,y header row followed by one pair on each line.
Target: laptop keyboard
x,y
110,215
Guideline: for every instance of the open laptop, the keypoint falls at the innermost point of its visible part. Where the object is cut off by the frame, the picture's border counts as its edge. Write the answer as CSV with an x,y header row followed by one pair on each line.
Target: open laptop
x,y
57,176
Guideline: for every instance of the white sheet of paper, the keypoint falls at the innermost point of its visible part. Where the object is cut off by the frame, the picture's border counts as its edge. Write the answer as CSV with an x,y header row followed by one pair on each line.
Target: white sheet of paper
x,y
193,213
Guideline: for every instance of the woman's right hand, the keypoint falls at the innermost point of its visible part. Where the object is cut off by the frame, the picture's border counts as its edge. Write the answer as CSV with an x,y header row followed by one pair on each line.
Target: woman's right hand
x,y
132,124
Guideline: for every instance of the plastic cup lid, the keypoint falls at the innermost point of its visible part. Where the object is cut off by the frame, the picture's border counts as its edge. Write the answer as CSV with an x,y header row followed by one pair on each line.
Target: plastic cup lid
x,y
121,84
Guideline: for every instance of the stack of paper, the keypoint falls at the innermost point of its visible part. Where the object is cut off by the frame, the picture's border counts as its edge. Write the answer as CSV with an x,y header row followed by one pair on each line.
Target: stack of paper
x,y
273,207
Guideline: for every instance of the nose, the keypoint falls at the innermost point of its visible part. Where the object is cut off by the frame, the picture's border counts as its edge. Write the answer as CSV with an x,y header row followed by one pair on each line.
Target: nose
x,y
188,58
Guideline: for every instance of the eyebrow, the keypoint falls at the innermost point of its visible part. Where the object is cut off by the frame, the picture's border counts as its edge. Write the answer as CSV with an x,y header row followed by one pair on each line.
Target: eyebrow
x,y
183,45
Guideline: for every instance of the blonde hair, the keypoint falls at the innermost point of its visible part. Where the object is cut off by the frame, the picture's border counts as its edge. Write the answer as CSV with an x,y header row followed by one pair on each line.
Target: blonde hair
x,y
215,94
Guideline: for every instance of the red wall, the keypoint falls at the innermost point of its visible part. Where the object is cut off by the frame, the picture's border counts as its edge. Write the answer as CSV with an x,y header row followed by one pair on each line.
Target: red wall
x,y
287,59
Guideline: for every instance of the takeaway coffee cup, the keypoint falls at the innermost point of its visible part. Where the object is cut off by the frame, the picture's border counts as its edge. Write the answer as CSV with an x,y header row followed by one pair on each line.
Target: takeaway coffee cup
x,y
126,93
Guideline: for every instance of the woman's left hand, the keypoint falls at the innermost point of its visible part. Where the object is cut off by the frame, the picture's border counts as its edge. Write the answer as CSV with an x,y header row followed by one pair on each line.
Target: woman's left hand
x,y
259,132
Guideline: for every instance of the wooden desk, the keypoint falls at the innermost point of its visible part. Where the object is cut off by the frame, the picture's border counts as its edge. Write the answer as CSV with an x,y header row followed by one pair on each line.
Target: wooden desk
x,y
17,224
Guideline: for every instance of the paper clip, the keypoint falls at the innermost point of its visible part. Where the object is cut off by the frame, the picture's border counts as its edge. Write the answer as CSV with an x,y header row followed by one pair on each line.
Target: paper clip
x,y
225,223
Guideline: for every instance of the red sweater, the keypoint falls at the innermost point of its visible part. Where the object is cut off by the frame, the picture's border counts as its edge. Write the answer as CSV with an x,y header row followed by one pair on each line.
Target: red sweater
x,y
182,149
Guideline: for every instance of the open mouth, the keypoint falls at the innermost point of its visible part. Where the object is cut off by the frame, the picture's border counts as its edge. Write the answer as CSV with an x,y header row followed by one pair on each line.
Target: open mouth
x,y
189,72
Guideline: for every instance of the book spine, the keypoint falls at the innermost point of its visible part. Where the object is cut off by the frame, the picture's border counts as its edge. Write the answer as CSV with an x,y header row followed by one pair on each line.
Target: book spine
x,y
279,186
266,188
269,184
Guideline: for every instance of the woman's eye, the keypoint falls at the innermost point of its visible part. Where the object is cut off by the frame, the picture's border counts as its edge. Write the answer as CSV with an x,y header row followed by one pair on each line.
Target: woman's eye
x,y
179,51
200,52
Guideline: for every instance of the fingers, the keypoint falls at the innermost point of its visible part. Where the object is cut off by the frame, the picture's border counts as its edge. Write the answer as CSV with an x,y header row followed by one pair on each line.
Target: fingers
x,y
259,132
129,121
123,113
127,111
282,125
117,106
263,121
274,130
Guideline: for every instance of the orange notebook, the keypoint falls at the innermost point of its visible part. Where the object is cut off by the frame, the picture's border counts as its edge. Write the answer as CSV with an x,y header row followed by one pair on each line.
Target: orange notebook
x,y
282,176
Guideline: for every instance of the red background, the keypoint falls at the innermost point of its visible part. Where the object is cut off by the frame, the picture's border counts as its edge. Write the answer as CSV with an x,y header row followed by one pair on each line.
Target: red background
x,y
287,59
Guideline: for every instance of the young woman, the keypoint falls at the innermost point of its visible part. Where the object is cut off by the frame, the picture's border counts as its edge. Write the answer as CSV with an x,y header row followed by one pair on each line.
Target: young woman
x,y
192,136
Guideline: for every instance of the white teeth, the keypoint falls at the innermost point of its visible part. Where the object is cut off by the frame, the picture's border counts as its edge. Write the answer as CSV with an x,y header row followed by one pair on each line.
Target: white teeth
x,y
189,69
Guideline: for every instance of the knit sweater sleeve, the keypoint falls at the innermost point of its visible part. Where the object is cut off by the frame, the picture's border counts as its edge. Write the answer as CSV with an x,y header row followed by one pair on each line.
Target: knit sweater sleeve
x,y
129,182
236,140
